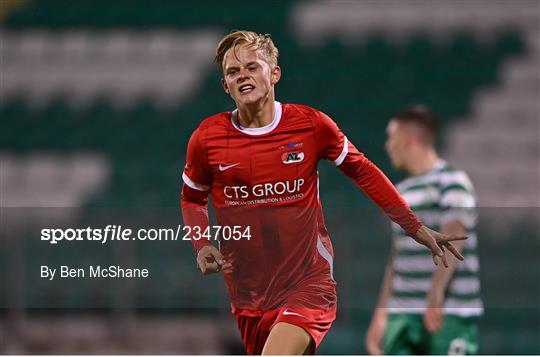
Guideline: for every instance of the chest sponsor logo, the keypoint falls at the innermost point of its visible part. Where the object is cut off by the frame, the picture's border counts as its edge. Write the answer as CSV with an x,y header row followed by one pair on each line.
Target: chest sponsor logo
x,y
292,157
264,189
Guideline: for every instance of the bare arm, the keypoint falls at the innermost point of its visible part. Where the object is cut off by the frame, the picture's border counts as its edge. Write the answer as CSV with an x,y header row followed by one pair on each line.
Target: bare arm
x,y
377,327
441,277
433,317
386,286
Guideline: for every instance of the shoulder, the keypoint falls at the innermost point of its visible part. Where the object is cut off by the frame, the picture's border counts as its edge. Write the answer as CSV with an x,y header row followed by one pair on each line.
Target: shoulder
x,y
297,116
414,183
216,121
207,128
451,177
457,196
401,185
456,188
302,111
444,177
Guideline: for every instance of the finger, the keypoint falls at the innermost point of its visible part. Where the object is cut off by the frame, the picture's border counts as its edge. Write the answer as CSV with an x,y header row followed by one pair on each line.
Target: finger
x,y
444,261
443,258
212,268
222,263
201,264
448,238
434,247
435,259
226,266
218,257
215,259
207,258
202,268
454,251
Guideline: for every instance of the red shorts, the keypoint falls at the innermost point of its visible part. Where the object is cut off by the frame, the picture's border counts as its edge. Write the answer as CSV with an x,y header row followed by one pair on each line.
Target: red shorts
x,y
255,325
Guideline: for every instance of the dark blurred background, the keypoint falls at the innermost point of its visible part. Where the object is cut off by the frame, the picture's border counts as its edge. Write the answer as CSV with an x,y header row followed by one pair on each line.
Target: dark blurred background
x,y
98,100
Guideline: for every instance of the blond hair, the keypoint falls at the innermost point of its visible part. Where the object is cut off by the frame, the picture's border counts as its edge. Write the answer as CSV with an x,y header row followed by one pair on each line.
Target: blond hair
x,y
260,42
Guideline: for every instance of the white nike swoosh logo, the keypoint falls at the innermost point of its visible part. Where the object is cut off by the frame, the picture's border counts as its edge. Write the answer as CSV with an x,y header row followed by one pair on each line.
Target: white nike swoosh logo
x,y
287,312
223,168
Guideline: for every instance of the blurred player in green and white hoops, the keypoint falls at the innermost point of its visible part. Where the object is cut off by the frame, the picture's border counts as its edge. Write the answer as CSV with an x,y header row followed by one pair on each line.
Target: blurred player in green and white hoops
x,y
424,309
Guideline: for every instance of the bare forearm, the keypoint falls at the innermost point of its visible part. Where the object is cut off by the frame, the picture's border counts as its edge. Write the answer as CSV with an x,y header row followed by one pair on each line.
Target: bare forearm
x,y
442,275
386,286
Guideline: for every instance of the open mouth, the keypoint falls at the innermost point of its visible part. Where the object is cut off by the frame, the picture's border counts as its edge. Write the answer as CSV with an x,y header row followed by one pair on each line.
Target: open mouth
x,y
246,88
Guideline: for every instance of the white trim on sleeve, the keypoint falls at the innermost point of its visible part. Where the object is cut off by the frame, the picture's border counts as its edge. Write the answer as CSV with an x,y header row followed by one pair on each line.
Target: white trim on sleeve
x,y
344,152
192,184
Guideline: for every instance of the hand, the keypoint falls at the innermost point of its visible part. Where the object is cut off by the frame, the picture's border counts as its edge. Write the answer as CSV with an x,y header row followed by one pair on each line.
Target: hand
x,y
433,316
375,332
210,260
437,243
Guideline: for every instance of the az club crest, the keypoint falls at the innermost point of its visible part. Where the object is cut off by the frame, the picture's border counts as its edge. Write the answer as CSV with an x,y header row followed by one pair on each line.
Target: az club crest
x,y
292,157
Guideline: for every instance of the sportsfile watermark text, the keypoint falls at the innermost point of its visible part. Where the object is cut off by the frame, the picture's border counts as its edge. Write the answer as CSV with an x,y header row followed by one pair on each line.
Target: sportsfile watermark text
x,y
120,233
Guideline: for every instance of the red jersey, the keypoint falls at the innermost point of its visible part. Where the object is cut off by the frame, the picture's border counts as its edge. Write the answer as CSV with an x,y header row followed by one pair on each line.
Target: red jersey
x,y
266,178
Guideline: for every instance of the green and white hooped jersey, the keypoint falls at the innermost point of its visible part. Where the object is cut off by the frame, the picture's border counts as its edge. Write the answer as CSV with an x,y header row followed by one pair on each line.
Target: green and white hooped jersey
x,y
440,196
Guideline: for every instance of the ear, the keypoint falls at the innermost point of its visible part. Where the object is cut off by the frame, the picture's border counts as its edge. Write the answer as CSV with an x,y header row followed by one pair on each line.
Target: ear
x,y
224,85
276,75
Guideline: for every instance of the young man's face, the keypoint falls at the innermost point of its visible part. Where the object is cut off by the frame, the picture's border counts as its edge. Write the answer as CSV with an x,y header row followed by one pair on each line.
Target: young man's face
x,y
247,77
397,143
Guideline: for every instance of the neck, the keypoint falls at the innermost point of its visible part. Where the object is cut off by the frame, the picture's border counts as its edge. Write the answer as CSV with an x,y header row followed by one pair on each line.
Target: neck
x,y
423,161
256,115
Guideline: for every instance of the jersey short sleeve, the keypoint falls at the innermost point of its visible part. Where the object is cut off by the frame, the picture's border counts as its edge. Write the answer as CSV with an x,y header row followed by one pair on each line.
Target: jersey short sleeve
x,y
197,174
457,200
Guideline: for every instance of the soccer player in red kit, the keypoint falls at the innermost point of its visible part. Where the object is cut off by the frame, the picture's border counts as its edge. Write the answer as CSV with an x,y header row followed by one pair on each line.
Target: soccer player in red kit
x,y
259,164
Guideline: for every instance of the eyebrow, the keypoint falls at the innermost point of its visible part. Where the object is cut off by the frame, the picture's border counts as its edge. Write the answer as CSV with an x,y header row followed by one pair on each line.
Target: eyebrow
x,y
247,65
